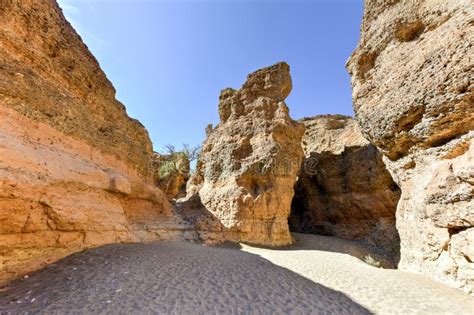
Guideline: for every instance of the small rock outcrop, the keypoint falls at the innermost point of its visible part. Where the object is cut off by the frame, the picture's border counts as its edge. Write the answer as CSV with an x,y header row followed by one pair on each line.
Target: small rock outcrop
x,y
74,168
250,160
170,173
413,93
344,188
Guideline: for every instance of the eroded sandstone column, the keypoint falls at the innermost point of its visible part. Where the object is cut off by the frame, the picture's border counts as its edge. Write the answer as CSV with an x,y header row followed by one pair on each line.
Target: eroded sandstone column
x,y
250,160
413,81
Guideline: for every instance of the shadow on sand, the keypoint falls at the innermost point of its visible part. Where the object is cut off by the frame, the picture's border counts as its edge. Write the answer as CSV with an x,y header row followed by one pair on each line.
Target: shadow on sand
x,y
357,249
170,277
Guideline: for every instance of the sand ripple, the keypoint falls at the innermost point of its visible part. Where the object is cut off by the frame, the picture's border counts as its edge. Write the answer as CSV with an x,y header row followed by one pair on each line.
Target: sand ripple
x,y
185,278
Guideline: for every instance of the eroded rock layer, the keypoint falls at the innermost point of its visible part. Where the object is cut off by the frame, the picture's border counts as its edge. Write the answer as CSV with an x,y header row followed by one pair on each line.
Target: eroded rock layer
x,y
249,161
344,189
413,81
74,168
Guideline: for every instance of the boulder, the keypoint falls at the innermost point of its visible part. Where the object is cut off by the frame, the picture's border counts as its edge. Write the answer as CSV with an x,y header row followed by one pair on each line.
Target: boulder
x,y
413,81
74,168
344,189
250,160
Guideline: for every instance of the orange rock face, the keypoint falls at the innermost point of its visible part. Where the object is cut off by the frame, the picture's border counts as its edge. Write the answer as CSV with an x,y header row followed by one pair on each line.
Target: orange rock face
x,y
74,168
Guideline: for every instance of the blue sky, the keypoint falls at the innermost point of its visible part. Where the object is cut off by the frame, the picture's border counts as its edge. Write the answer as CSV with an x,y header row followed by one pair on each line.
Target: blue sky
x,y
169,59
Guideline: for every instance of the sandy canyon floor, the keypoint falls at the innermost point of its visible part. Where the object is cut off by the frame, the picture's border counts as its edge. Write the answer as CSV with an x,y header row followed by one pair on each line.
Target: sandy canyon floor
x,y
313,276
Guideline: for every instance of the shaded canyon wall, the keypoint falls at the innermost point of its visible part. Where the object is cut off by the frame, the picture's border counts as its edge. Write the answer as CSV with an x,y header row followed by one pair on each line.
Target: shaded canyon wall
x,y
344,188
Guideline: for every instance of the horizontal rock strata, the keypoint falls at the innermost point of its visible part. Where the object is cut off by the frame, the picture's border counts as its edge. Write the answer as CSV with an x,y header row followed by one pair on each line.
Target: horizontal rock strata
x,y
74,168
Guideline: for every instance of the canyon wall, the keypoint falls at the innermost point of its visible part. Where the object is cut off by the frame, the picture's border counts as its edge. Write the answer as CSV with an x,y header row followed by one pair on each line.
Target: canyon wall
x,y
344,188
250,160
413,81
74,168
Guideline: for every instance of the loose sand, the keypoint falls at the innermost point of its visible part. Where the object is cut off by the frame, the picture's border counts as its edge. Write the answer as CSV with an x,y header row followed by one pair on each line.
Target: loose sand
x,y
185,278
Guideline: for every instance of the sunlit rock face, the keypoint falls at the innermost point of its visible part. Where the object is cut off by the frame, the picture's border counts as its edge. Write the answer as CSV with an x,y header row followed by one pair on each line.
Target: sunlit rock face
x,y
344,188
413,96
250,160
74,168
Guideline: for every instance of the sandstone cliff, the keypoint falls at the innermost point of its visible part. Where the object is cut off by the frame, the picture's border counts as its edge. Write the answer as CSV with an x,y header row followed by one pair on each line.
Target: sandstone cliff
x,y
74,168
344,189
250,160
413,81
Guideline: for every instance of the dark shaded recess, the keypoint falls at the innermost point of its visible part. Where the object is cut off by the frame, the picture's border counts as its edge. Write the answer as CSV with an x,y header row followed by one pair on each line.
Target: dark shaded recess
x,y
349,195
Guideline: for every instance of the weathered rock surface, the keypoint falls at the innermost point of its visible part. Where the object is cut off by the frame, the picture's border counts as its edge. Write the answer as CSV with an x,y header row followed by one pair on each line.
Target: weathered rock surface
x,y
413,81
170,173
74,168
250,160
344,188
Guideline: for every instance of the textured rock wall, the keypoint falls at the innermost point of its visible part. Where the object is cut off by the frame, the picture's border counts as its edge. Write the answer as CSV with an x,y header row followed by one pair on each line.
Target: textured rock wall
x,y
74,168
344,188
250,160
413,81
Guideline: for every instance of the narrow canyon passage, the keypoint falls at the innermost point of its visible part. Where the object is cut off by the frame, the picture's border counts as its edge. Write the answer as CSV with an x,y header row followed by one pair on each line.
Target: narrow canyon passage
x,y
344,189
179,277
85,196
